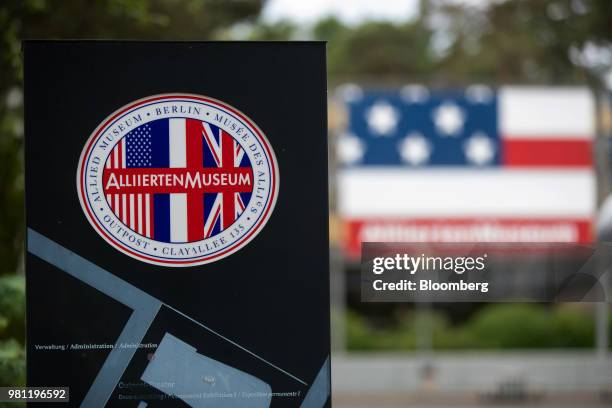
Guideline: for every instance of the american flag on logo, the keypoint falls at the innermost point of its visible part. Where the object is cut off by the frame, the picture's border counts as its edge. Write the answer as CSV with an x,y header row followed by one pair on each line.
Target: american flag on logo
x,y
468,165
155,167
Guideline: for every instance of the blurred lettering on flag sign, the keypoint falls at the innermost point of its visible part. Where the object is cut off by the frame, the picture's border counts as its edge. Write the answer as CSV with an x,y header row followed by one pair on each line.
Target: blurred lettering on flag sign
x,y
512,164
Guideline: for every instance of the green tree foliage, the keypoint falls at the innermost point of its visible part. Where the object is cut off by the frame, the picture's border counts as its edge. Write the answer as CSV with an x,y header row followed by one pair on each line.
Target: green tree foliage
x,y
281,31
11,180
495,326
511,41
12,330
522,41
376,51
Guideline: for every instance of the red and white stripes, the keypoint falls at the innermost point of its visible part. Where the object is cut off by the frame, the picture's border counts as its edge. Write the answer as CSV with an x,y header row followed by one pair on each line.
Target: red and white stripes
x,y
134,210
546,127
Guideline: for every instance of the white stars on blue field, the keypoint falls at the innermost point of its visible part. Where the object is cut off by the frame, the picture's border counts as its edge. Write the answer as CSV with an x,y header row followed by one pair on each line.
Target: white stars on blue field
x,y
420,127
139,147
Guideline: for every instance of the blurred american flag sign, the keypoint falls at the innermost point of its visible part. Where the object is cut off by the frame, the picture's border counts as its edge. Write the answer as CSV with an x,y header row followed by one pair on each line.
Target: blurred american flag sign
x,y
513,164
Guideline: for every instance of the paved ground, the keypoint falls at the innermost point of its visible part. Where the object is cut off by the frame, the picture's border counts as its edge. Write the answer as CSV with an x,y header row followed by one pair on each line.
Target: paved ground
x,y
447,400
480,379
478,372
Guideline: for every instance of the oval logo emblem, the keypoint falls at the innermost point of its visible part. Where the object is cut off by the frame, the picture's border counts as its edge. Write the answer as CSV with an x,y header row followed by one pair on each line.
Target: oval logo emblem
x,y
177,180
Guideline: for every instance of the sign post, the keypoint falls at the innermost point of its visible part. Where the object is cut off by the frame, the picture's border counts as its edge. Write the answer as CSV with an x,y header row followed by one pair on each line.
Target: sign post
x,y
177,223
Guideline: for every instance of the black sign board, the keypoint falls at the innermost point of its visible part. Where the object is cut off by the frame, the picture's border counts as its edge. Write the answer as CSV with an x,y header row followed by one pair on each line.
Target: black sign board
x,y
176,199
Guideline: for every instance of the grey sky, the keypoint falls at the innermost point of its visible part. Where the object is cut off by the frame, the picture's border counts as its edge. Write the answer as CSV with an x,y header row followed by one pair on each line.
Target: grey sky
x,y
349,11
